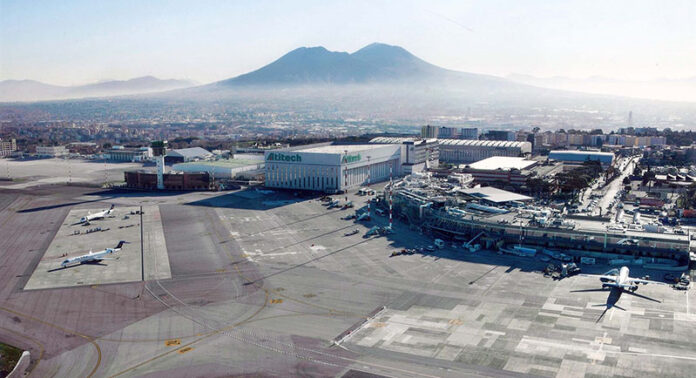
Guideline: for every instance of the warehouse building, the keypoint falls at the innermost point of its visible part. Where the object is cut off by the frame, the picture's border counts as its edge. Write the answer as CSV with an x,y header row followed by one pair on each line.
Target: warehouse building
x,y
184,155
457,151
579,157
224,168
331,168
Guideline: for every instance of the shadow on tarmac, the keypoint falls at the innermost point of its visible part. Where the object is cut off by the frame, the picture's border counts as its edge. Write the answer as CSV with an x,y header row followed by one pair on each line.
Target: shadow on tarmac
x,y
99,263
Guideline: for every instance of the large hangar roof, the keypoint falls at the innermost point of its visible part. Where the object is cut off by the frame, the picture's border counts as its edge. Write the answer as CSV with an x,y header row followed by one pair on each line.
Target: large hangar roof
x,y
457,142
191,153
340,148
482,143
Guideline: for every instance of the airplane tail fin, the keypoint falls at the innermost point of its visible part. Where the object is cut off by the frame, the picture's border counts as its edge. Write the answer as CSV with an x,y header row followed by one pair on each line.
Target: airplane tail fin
x,y
120,244
112,207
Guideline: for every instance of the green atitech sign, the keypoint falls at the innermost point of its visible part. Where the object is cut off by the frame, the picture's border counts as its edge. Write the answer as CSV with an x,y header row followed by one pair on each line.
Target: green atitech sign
x,y
277,156
347,159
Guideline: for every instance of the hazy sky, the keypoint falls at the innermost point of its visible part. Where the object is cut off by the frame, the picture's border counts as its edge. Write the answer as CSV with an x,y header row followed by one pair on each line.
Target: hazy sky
x,y
74,42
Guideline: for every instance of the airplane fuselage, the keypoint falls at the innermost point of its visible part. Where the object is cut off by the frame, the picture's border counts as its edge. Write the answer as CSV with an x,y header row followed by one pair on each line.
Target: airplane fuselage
x,y
98,215
92,256
623,281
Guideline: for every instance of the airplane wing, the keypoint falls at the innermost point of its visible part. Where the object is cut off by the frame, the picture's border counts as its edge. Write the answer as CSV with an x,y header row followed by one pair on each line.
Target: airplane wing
x,y
642,281
607,278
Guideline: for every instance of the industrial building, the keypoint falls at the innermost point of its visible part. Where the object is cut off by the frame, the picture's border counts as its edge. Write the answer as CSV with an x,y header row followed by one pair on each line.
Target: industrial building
x,y
184,155
579,157
331,168
120,153
51,151
457,151
416,154
224,168
172,181
501,170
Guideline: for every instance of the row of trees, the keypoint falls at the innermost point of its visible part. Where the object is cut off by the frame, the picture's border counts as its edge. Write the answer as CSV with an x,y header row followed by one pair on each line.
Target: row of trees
x,y
565,184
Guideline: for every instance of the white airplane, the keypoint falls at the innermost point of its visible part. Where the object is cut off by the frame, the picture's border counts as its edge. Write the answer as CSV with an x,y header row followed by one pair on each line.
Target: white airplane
x,y
623,280
619,282
93,256
98,215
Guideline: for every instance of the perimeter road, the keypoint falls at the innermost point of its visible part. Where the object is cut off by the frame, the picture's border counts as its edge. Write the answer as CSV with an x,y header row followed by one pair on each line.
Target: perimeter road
x,y
142,254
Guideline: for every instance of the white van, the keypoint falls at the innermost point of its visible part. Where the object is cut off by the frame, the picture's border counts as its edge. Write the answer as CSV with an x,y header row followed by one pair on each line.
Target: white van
x,y
439,243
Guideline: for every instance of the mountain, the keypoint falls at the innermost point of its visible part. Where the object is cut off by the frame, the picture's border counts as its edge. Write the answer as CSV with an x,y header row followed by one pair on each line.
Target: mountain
x,y
30,90
375,63
659,89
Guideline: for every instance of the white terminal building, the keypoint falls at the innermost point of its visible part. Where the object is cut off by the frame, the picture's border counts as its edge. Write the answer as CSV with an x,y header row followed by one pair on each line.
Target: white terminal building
x,y
331,168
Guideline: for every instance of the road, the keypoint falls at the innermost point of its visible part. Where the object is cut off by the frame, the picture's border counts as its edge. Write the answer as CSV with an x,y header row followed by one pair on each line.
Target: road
x,y
614,187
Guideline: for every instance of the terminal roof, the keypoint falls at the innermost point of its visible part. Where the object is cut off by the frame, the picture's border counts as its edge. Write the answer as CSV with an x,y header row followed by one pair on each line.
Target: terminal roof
x,y
496,195
339,148
504,163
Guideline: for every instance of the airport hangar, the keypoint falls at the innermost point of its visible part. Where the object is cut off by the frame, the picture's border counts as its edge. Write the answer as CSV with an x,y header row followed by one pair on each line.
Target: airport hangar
x,y
331,168
460,151
336,168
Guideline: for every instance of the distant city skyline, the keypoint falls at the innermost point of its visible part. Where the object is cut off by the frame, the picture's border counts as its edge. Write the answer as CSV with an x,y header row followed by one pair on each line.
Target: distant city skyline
x,y
84,41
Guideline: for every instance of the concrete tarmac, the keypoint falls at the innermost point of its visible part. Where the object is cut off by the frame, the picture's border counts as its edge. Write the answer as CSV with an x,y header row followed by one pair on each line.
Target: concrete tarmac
x,y
270,285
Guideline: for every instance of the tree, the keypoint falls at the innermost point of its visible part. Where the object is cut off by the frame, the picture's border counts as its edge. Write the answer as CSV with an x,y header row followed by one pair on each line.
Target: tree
x,y
648,176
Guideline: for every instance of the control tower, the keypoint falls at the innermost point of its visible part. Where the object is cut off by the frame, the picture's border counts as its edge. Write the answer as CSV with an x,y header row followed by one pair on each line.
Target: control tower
x,y
159,149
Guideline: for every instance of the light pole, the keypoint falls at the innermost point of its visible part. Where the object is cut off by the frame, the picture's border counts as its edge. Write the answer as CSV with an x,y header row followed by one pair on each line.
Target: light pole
x,y
345,172
369,167
391,185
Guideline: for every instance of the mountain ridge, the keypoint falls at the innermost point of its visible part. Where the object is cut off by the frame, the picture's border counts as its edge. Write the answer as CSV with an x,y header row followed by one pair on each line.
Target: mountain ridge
x,y
33,90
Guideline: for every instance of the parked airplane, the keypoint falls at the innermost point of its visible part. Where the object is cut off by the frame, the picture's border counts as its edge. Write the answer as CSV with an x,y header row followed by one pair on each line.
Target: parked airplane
x,y
619,282
98,215
93,256
623,280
